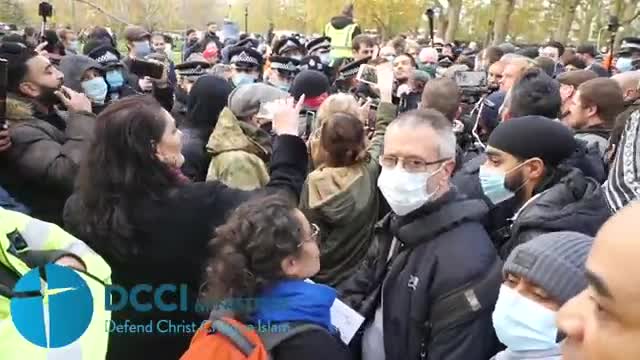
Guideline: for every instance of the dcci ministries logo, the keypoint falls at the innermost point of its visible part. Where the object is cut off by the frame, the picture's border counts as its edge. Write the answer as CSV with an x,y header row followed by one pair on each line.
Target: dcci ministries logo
x,y
51,306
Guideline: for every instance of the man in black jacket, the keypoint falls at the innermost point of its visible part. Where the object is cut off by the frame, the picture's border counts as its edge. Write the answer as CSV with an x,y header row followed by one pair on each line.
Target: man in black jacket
x,y
545,197
431,278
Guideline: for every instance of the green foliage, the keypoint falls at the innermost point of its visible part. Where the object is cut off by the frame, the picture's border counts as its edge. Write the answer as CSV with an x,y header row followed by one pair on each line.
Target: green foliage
x,y
530,21
12,12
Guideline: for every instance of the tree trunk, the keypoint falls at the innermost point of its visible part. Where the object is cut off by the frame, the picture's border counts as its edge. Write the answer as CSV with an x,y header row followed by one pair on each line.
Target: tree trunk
x,y
627,11
585,28
504,9
566,20
442,23
453,17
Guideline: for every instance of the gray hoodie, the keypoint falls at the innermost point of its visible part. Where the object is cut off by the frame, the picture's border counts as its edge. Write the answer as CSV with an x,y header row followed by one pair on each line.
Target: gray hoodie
x,y
73,67
551,354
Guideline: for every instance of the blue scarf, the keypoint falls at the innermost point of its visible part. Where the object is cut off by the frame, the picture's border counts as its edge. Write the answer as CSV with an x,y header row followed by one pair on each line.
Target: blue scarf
x,y
296,301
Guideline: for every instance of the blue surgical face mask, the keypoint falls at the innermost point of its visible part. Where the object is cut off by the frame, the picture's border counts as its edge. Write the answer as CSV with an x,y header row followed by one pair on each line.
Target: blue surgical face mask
x,y
115,80
141,49
241,79
522,324
405,191
624,64
282,85
493,184
95,89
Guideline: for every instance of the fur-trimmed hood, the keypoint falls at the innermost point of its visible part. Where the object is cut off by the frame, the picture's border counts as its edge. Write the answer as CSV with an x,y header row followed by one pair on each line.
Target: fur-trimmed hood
x,y
18,110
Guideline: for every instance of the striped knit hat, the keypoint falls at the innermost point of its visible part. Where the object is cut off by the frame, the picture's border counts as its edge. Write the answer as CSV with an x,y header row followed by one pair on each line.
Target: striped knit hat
x,y
555,262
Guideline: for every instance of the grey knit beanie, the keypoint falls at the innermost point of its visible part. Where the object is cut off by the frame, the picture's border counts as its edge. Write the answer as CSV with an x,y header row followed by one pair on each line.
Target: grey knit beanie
x,y
554,261
245,100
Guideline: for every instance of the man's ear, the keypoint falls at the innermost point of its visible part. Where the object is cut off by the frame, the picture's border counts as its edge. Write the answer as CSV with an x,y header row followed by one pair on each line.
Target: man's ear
x,y
28,89
592,110
536,168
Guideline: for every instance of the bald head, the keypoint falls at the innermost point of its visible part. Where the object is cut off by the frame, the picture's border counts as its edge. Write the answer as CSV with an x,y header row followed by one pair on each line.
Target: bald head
x,y
629,81
603,322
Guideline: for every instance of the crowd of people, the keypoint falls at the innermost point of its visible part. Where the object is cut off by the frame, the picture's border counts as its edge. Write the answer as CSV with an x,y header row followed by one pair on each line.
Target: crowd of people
x,y
483,220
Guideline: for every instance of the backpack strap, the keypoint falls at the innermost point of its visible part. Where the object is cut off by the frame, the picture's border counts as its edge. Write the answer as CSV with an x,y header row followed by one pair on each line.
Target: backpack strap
x,y
466,302
271,339
233,334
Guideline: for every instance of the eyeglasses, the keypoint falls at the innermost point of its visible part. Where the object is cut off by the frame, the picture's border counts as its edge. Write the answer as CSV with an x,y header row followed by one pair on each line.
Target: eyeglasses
x,y
410,164
315,235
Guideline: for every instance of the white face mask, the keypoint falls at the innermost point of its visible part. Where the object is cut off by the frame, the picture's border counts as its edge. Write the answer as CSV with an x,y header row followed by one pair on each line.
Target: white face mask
x,y
405,191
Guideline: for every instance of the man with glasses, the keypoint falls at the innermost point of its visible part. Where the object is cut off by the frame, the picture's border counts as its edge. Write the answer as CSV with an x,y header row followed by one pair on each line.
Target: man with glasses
x,y
431,279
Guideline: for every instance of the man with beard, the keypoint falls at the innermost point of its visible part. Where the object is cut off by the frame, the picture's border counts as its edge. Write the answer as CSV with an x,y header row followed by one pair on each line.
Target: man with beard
x,y
47,143
546,196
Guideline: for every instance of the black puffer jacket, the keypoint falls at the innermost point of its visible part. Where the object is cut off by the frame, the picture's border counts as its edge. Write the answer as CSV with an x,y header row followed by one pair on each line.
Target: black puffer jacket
x,y
441,249
573,203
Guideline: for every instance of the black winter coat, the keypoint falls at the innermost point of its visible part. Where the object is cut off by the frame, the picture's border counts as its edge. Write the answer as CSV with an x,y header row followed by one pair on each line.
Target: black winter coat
x,y
196,158
174,232
572,203
312,345
443,248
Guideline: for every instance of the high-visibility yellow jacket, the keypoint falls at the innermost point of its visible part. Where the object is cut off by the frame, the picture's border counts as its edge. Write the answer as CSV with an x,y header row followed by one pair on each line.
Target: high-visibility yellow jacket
x,y
50,242
341,40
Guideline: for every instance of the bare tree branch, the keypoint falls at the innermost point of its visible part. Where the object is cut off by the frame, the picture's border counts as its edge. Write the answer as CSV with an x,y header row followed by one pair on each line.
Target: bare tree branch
x,y
103,11
635,16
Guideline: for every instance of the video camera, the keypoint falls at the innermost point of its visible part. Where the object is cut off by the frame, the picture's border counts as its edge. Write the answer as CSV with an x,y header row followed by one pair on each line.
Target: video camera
x,y
473,85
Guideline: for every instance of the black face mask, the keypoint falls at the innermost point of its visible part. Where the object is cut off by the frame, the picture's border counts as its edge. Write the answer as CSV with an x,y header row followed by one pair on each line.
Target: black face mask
x,y
193,41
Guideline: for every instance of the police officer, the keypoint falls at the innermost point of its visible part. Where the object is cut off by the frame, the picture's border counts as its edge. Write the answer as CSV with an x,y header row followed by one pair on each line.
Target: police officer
x,y
342,29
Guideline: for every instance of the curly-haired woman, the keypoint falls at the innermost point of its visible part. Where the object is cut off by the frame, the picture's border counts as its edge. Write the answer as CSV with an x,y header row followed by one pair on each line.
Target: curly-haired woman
x,y
264,252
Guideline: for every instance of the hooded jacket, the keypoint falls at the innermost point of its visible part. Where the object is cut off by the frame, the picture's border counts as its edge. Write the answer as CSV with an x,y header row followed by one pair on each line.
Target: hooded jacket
x,y
73,67
205,102
342,21
417,260
240,153
343,202
573,202
39,169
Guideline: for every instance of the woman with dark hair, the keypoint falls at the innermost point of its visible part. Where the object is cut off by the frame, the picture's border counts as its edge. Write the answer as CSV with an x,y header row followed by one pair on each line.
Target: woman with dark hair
x,y
341,194
206,100
264,252
138,211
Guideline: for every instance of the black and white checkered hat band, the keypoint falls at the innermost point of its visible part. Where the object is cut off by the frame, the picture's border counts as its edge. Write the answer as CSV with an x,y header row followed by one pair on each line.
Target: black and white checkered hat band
x,y
244,58
284,67
107,57
322,45
349,73
192,72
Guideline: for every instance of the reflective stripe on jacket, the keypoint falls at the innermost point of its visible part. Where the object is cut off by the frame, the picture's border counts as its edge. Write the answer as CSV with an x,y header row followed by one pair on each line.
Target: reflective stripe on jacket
x,y
42,237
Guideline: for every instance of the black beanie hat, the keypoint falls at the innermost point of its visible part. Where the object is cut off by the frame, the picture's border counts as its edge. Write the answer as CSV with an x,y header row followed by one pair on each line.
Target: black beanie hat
x,y
17,56
534,136
311,83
